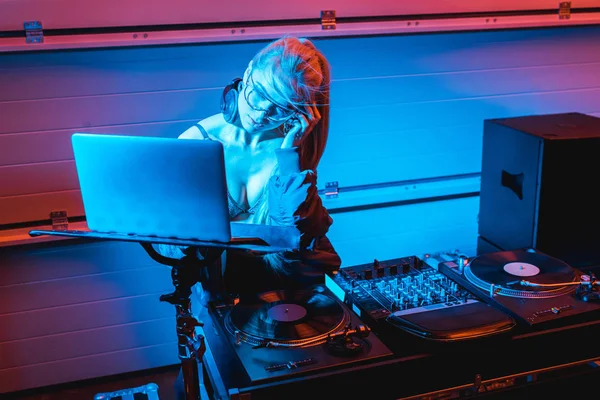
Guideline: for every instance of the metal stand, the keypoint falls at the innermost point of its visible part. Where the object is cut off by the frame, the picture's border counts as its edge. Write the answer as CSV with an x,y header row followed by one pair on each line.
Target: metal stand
x,y
185,273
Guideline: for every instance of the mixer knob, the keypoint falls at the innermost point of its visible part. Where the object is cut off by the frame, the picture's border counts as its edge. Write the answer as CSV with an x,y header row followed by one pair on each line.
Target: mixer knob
x,y
400,300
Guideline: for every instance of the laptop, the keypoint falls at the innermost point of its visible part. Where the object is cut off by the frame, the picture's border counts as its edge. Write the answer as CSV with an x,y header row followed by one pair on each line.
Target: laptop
x,y
151,186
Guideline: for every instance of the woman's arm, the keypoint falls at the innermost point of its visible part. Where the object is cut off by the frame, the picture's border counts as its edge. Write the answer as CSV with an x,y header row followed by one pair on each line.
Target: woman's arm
x,y
294,199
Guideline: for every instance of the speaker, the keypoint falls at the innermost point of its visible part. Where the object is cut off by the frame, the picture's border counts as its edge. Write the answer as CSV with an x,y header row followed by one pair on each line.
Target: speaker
x,y
539,181
229,100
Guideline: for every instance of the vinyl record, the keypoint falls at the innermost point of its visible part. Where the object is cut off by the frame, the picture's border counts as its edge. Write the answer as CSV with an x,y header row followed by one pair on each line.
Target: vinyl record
x,y
507,268
287,315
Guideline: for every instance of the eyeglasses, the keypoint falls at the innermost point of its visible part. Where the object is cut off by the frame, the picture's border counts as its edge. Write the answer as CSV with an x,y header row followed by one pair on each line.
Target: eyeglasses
x,y
274,113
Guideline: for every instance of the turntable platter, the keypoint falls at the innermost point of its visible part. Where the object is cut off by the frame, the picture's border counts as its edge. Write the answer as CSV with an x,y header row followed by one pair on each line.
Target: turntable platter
x,y
502,272
286,316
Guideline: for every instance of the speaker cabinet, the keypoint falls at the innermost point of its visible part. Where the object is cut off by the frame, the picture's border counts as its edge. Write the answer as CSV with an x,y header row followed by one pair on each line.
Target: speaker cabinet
x,y
539,186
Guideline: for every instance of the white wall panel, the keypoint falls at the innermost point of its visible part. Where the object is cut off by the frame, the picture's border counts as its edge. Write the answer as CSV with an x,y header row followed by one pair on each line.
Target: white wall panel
x,y
397,231
88,288
37,207
69,260
87,367
84,317
402,163
84,343
117,109
55,145
43,177
112,71
73,303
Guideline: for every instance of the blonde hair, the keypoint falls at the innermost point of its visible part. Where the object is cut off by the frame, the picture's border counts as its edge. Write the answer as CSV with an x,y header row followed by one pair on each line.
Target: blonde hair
x,y
300,74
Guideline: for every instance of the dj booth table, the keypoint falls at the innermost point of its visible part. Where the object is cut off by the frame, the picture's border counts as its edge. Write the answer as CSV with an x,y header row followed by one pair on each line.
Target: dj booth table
x,y
515,363
556,364
356,358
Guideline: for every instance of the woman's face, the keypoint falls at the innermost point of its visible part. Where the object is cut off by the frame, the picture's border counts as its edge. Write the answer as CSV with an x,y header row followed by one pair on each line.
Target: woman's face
x,y
257,103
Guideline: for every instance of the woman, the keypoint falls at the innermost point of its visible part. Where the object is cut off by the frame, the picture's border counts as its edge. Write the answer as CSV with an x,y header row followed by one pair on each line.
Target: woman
x,y
273,126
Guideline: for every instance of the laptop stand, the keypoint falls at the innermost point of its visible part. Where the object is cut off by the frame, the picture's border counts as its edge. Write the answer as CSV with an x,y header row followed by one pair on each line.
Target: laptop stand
x,y
185,273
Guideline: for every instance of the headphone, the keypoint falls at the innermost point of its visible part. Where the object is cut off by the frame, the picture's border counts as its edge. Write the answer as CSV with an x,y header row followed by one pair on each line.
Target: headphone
x,y
229,100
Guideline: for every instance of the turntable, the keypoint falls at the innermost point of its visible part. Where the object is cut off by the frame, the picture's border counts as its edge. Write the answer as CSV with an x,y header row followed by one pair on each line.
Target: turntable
x,y
286,319
275,336
535,288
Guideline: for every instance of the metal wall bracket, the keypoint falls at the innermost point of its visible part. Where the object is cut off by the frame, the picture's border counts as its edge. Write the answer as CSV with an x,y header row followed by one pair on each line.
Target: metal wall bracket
x,y
564,10
328,19
33,32
60,220
331,189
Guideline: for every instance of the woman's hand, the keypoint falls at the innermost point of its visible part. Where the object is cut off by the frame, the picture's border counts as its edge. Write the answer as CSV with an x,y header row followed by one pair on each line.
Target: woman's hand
x,y
299,126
